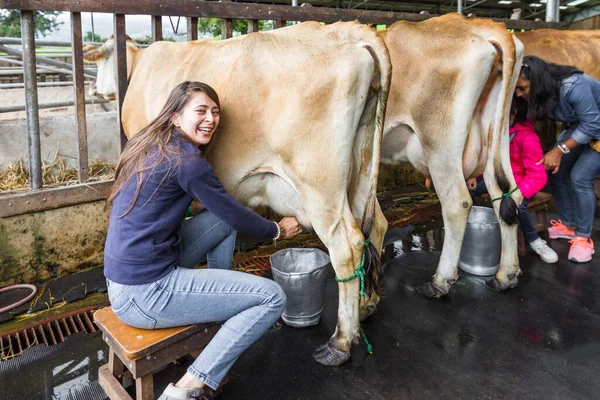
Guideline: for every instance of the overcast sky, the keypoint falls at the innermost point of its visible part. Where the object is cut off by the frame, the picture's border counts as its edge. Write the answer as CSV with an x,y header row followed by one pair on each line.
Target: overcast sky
x,y
137,26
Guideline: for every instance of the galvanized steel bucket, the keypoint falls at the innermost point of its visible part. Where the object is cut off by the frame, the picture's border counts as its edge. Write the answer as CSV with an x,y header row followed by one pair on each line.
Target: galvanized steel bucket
x,y
302,273
480,254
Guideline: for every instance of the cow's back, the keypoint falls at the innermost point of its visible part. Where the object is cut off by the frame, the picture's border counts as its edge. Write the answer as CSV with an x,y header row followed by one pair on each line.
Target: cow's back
x,y
579,48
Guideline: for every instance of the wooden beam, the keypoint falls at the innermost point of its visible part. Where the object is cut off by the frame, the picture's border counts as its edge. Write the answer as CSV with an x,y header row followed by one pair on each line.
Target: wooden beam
x,y
192,28
157,28
226,28
49,199
239,11
252,25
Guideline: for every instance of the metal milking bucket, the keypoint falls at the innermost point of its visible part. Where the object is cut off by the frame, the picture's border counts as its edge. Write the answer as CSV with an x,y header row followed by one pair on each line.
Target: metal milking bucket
x,y
480,254
302,273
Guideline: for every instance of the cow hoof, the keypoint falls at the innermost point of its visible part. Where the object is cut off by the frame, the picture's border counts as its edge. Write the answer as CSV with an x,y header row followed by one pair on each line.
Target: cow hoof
x,y
330,356
431,291
497,285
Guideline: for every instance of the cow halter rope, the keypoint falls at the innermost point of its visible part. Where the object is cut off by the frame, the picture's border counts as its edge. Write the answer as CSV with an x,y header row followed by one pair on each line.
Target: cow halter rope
x,y
505,195
360,273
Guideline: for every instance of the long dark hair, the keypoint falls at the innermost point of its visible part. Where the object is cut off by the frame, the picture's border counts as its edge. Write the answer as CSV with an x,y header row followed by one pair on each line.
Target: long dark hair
x,y
148,148
545,80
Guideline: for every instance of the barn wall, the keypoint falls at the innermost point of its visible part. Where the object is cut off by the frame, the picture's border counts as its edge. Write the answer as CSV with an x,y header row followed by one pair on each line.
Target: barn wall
x,y
40,246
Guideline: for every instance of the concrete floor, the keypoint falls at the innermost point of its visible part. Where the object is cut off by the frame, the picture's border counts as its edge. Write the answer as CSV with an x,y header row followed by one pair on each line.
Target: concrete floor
x,y
537,341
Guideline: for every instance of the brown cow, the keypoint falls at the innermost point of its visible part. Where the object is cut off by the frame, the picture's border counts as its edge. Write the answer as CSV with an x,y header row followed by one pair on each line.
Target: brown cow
x,y
452,84
301,128
579,48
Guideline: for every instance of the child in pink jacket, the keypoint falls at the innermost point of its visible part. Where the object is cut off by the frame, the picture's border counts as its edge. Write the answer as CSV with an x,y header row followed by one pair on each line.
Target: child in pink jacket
x,y
525,152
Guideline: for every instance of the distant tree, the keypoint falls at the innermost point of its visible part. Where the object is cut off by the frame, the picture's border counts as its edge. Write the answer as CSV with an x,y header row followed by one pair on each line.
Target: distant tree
x,y
10,22
212,26
97,38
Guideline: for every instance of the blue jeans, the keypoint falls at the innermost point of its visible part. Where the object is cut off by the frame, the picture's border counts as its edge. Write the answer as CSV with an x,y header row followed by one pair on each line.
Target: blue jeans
x,y
249,304
573,187
525,224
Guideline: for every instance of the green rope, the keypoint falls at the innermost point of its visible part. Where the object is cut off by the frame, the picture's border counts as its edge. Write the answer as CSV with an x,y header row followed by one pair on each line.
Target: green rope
x,y
369,346
360,273
189,213
505,195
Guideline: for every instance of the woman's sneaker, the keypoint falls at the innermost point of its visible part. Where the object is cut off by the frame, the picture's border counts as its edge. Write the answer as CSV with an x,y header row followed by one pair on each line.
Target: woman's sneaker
x,y
581,249
176,393
560,231
547,255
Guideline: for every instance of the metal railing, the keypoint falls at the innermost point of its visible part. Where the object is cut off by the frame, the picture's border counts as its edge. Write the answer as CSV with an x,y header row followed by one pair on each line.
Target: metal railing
x,y
39,198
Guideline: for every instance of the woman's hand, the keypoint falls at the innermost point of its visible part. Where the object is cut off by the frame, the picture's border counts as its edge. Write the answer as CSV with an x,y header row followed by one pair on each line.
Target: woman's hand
x,y
472,184
290,226
551,160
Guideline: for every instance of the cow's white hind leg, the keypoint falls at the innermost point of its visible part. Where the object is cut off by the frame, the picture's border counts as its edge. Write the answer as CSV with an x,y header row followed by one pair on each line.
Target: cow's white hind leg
x,y
507,275
345,242
368,304
449,182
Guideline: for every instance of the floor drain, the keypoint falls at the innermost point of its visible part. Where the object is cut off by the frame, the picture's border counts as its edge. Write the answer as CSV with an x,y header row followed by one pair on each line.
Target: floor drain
x,y
48,333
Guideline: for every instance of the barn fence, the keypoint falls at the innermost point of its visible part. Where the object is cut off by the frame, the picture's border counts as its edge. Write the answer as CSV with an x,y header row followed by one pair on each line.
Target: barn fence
x,y
41,198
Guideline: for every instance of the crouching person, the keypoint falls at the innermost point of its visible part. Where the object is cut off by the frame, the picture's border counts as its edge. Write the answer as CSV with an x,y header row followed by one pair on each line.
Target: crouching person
x,y
525,152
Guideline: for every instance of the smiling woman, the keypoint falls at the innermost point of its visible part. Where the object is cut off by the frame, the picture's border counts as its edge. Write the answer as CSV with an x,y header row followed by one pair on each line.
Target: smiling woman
x,y
150,250
200,117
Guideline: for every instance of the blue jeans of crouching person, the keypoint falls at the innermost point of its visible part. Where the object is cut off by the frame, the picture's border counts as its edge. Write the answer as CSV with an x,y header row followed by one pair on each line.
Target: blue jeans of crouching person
x,y
248,304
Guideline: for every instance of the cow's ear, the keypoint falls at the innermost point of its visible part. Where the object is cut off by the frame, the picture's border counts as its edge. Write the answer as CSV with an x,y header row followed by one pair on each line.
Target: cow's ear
x,y
93,54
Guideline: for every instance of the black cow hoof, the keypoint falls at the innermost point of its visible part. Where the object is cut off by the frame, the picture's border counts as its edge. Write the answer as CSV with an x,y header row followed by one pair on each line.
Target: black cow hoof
x,y
330,356
430,291
497,285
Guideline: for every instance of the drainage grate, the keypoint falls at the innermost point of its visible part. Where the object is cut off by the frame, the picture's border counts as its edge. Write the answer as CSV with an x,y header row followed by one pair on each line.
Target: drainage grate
x,y
48,333
257,265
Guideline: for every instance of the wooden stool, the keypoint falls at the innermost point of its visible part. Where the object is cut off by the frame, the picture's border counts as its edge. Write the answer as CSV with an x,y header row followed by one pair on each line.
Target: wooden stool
x,y
144,352
538,205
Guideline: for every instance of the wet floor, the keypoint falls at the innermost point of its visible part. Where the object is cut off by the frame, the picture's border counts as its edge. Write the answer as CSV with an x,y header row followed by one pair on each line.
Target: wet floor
x,y
537,341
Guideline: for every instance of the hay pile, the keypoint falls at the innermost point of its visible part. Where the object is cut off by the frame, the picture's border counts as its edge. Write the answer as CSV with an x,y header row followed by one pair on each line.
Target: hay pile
x,y
54,173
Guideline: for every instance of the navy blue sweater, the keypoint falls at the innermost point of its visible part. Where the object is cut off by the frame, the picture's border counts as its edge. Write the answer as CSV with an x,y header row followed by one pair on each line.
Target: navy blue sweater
x,y
143,246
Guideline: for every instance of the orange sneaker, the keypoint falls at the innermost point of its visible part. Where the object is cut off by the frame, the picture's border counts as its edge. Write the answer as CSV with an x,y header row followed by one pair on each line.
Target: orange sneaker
x,y
560,231
581,249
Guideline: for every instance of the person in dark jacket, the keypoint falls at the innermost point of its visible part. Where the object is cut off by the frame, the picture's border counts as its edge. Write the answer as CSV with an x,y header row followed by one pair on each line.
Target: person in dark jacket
x,y
567,95
151,248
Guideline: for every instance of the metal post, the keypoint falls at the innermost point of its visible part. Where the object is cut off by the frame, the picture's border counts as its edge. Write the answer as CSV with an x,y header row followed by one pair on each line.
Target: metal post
x,y
31,99
459,3
121,66
93,39
551,7
79,96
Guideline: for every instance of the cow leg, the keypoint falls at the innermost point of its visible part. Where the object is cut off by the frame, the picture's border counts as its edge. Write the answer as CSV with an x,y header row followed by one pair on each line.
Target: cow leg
x,y
345,242
368,304
507,275
449,182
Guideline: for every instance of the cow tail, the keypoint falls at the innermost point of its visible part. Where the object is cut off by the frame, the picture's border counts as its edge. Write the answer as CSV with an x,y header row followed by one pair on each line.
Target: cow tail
x,y
508,207
381,85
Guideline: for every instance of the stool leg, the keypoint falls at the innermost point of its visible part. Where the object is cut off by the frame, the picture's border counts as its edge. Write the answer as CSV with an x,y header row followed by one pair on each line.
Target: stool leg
x,y
115,365
144,388
540,216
